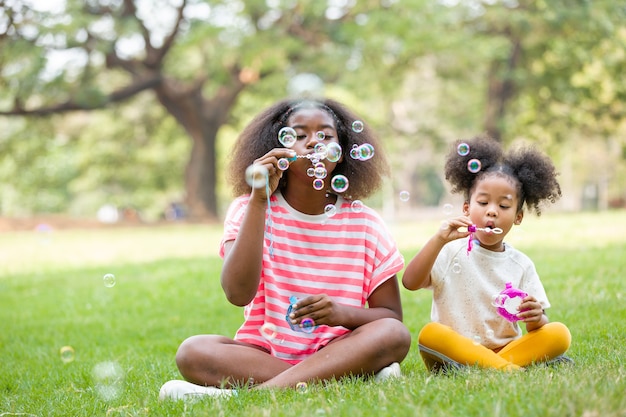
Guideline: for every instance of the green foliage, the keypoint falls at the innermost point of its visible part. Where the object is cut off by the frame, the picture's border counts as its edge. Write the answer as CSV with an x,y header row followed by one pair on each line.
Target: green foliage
x,y
162,296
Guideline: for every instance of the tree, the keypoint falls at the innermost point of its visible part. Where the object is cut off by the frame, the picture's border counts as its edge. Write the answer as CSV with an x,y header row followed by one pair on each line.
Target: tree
x,y
197,57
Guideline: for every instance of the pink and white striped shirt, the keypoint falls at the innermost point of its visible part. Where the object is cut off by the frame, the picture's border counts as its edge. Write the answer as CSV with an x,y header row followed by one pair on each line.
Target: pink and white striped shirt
x,y
346,256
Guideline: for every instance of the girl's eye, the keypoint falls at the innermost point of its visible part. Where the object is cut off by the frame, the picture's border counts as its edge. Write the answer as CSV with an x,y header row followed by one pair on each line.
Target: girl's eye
x,y
300,137
328,137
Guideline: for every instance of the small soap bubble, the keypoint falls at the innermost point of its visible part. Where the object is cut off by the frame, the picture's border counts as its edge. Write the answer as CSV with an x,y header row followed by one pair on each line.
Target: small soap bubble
x,y
256,176
339,183
489,333
321,150
318,183
405,196
463,149
330,210
302,387
108,280
283,164
320,172
307,325
456,267
358,126
448,209
320,135
287,136
473,166
269,331
108,378
333,152
366,151
356,206
354,152
67,354
476,340
310,172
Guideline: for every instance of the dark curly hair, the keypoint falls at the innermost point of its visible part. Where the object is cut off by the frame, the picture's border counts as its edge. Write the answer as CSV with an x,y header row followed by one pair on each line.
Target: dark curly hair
x,y
532,172
261,135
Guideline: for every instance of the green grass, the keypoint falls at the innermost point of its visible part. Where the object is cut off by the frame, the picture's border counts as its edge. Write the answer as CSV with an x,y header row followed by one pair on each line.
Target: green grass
x,y
167,288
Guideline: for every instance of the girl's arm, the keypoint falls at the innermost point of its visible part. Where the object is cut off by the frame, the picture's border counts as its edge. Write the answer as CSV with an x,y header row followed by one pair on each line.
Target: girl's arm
x,y
417,272
243,257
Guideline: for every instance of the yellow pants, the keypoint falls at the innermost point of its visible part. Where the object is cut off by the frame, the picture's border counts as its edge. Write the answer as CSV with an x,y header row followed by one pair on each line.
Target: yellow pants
x,y
439,346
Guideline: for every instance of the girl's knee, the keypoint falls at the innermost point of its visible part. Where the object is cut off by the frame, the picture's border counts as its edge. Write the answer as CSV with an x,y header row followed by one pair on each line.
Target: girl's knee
x,y
560,334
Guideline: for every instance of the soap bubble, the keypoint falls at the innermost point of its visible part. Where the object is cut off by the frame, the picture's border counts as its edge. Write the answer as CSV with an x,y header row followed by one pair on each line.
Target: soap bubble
x,y
330,210
463,149
269,331
339,183
320,172
354,152
456,266
476,340
405,196
366,151
448,209
302,387
333,152
287,136
283,164
358,126
489,333
320,135
356,206
67,354
310,172
473,166
308,325
318,183
108,377
256,176
109,280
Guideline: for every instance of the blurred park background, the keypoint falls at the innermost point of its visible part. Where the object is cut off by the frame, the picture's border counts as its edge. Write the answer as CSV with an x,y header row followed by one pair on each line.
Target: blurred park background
x,y
121,111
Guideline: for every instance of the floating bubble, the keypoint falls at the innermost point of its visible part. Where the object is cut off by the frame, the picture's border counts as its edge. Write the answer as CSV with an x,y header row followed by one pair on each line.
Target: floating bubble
x,y
310,172
339,183
108,378
269,331
463,149
320,172
108,280
302,387
354,152
330,210
366,151
320,135
256,176
356,206
456,266
320,149
358,126
448,209
287,136
476,340
333,152
308,325
473,166
318,183
67,354
489,333
283,164
405,196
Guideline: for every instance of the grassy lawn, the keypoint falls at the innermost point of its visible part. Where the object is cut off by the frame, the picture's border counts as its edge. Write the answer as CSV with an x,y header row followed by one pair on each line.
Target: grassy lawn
x,y
120,340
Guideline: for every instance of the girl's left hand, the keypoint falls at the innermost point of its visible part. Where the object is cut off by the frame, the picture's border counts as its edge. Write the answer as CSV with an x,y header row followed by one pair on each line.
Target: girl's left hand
x,y
320,308
530,309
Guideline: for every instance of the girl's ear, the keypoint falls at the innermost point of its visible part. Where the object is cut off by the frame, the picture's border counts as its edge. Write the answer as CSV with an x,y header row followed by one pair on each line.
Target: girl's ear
x,y
466,208
519,217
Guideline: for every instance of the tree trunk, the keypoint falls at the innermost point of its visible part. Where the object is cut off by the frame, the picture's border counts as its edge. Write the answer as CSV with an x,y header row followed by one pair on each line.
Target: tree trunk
x,y
201,118
500,89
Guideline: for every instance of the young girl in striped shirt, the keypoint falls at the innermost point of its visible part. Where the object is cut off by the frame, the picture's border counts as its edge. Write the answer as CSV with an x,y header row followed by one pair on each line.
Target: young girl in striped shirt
x,y
314,268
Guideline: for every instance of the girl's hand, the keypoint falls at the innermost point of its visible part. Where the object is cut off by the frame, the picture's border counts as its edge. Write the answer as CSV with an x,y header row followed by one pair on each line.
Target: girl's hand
x,y
449,229
270,162
530,310
320,308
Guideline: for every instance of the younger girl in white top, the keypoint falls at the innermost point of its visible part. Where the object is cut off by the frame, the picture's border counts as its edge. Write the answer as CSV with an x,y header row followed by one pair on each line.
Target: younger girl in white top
x,y
466,263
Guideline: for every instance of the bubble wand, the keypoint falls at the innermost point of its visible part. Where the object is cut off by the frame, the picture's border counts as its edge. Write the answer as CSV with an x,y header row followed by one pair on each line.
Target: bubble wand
x,y
473,229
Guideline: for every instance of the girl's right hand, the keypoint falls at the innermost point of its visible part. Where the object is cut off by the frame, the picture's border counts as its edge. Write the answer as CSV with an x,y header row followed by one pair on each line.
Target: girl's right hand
x,y
270,162
449,229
